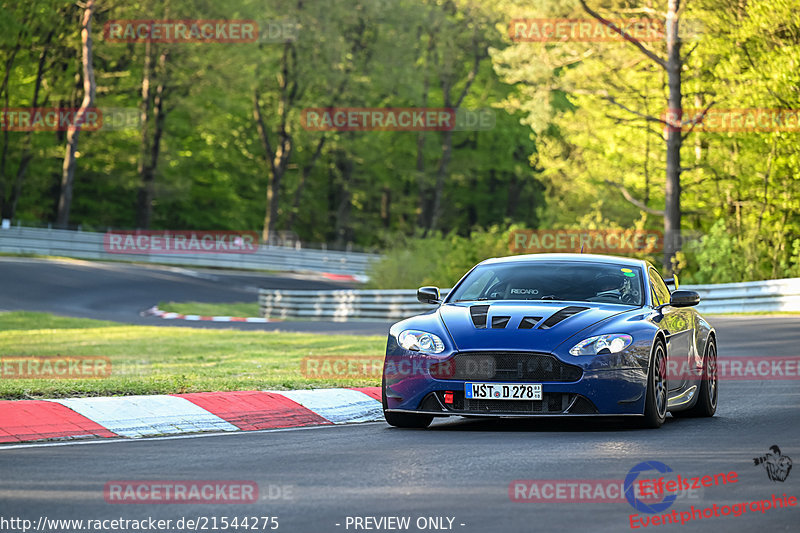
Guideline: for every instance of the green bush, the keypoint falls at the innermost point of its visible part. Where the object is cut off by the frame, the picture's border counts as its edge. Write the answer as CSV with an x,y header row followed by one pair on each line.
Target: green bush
x,y
438,260
723,256
720,256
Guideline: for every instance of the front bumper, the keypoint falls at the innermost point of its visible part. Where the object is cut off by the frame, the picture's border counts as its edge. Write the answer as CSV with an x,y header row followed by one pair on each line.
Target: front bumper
x,y
605,385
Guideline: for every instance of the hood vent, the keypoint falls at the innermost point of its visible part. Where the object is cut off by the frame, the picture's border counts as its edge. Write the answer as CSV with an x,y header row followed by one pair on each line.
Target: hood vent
x,y
499,322
528,322
560,315
478,314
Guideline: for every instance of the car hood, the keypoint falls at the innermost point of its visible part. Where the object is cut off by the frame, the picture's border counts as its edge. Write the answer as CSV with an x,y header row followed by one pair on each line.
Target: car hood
x,y
535,326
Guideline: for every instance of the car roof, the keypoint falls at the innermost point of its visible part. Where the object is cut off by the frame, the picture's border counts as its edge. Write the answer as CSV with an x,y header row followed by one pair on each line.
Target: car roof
x,y
573,258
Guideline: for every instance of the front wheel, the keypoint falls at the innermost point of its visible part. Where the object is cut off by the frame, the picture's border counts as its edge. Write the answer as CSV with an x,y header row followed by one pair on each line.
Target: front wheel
x,y
655,403
403,420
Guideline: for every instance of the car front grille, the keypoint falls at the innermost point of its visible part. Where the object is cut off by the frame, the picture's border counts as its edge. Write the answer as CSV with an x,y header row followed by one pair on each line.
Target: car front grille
x,y
550,403
506,366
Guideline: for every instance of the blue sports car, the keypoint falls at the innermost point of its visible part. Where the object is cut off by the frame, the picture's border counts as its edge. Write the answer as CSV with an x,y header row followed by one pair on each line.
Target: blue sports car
x,y
552,335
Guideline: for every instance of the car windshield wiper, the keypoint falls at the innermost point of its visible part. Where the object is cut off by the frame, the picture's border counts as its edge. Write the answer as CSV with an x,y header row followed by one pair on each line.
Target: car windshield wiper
x,y
550,297
470,299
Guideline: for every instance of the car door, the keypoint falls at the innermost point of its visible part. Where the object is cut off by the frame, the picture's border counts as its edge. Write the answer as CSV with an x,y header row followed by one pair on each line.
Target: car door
x,y
678,326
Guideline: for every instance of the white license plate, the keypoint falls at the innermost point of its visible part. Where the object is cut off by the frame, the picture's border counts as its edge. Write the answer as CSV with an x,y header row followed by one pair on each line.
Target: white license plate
x,y
503,391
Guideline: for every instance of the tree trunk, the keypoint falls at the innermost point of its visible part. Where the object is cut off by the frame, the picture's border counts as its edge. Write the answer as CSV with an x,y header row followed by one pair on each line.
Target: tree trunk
x,y
278,158
4,206
26,156
441,174
271,214
513,196
298,193
674,135
275,171
144,120
345,167
358,46
447,138
68,169
386,207
424,203
672,190
150,148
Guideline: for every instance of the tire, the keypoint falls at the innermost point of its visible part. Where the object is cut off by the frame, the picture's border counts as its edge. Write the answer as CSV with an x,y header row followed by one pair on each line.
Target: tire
x,y
655,403
706,404
403,420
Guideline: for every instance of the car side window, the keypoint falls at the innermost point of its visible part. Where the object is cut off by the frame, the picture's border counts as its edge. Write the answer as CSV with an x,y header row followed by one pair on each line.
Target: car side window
x,y
659,287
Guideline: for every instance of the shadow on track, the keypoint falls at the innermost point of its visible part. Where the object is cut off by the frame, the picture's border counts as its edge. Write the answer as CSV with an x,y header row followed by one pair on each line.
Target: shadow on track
x,y
553,425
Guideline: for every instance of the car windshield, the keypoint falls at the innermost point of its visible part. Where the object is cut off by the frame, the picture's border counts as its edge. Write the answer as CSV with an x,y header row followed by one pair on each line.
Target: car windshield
x,y
576,281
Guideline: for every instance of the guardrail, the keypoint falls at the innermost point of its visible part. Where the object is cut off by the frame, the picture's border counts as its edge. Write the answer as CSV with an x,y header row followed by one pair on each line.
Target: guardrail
x,y
89,245
774,295
344,305
341,305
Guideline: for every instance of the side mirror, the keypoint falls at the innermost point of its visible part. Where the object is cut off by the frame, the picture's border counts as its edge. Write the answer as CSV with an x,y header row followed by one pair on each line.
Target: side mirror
x,y
429,295
684,299
673,281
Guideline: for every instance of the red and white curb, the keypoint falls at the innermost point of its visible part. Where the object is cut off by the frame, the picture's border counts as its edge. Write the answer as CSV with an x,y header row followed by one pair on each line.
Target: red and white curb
x,y
155,311
171,414
345,277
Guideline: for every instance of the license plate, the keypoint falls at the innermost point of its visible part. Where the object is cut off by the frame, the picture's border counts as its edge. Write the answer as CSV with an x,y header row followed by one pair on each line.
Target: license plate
x,y
502,391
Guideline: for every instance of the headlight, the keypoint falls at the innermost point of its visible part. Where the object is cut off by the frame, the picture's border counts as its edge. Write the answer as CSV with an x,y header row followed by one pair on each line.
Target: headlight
x,y
420,341
602,344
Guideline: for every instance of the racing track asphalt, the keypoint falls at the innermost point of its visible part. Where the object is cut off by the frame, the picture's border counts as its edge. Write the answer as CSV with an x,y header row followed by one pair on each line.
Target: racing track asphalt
x,y
460,468
121,291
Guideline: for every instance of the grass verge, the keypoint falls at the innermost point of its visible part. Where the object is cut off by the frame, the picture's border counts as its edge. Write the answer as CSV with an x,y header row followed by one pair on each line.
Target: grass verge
x,y
165,360
241,309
